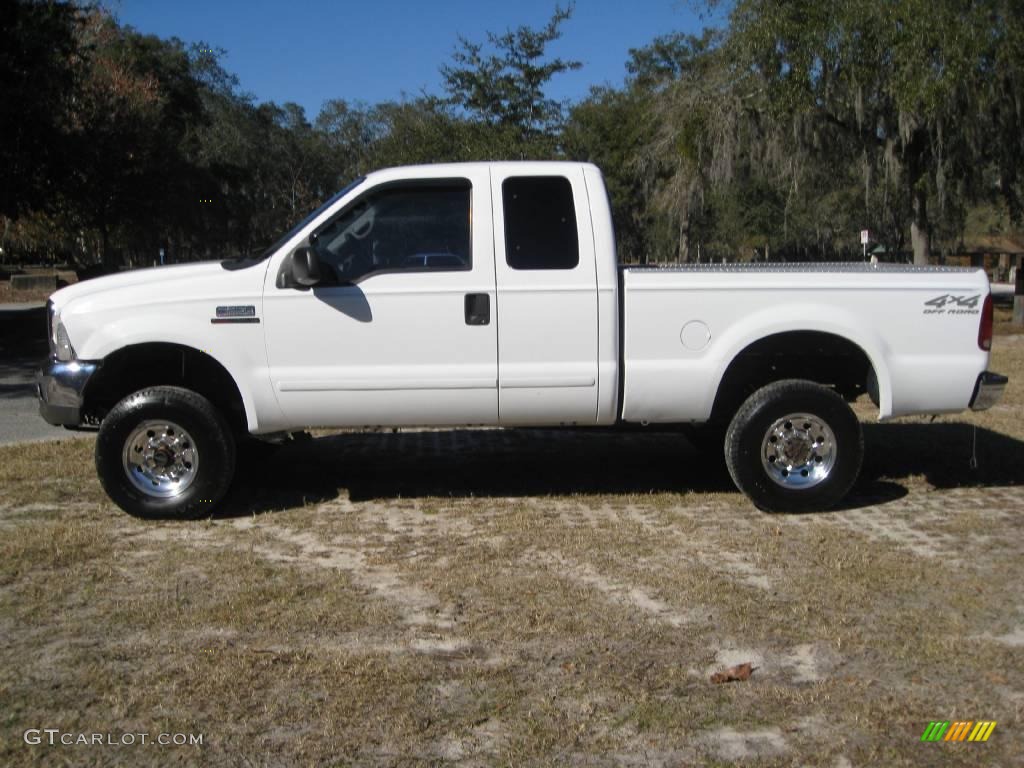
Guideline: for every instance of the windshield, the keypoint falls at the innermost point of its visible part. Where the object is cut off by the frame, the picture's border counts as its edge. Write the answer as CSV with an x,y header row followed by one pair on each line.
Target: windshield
x,y
294,230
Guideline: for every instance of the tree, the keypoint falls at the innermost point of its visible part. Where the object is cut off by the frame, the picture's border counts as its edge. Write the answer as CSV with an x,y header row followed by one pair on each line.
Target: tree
x,y
922,90
132,121
505,88
349,132
423,130
609,128
40,68
702,138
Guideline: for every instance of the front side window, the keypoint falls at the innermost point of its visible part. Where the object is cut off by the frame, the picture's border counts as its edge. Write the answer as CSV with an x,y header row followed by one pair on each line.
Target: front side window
x,y
421,227
540,223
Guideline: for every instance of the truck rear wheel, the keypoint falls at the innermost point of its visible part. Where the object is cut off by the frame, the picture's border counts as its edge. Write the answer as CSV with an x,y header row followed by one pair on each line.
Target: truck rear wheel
x,y
165,452
794,446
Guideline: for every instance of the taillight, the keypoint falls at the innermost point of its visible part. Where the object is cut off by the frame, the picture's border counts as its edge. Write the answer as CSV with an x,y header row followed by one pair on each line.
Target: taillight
x,y
985,329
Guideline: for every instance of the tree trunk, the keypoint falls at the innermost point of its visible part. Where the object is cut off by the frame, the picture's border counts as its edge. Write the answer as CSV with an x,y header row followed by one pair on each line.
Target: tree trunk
x,y
683,247
1018,293
106,257
920,236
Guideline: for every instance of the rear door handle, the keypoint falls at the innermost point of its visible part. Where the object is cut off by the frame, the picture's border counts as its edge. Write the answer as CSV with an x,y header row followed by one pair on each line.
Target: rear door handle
x,y
478,309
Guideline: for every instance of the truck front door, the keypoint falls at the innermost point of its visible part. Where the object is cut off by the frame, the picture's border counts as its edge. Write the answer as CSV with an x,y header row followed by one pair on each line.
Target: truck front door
x,y
401,331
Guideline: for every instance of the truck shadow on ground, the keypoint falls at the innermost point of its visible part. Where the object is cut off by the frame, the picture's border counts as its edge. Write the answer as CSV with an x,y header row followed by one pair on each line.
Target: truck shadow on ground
x,y
539,463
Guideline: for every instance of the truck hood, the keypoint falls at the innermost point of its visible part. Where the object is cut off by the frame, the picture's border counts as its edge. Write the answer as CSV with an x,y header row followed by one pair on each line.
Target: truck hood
x,y
173,283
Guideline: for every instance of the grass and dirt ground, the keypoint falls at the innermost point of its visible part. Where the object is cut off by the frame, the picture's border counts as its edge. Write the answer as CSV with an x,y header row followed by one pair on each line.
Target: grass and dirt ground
x,y
524,598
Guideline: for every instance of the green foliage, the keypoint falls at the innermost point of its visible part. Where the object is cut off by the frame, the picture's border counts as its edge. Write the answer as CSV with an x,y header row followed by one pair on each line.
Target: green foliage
x,y
140,145
504,88
608,129
781,135
40,57
927,93
131,136
670,58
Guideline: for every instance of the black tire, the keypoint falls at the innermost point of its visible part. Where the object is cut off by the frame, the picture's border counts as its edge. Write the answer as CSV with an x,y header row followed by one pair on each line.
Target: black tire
x,y
821,474
198,442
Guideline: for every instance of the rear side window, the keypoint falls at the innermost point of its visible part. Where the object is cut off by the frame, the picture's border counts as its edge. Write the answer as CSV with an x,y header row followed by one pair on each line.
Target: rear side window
x,y
540,223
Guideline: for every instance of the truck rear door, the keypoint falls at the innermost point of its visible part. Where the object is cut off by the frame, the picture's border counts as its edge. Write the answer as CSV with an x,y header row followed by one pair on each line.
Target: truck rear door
x,y
547,304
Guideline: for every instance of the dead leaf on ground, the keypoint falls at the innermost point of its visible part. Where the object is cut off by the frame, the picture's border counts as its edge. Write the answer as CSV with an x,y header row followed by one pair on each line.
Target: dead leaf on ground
x,y
736,674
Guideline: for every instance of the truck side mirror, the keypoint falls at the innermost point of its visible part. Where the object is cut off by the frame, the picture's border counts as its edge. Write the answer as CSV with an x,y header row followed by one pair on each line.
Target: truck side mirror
x,y
306,267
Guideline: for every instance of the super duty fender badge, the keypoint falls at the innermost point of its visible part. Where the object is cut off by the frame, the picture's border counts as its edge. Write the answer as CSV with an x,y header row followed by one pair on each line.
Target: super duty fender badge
x,y
948,304
241,313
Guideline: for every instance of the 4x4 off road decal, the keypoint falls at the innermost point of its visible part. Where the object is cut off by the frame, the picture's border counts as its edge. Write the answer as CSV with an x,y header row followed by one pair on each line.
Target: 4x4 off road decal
x,y
948,304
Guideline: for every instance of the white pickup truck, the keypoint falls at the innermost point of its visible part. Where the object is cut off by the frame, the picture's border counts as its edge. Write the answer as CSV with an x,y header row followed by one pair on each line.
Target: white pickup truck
x,y
489,294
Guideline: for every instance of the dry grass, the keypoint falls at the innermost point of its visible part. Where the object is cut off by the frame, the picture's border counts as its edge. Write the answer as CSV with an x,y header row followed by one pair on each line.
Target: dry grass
x,y
524,598
22,296
8,296
1004,325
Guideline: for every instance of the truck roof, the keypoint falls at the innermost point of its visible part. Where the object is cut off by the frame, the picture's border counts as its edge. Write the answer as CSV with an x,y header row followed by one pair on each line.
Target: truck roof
x,y
440,170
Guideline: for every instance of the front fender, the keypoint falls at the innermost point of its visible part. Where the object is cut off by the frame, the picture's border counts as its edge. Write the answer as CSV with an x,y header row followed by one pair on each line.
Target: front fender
x,y
238,348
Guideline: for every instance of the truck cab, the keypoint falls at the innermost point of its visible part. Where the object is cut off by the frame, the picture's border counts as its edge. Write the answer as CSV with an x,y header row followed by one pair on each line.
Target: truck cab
x,y
406,306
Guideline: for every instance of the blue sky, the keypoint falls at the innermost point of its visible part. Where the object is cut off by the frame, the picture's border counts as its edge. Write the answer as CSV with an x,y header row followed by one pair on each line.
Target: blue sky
x,y
308,51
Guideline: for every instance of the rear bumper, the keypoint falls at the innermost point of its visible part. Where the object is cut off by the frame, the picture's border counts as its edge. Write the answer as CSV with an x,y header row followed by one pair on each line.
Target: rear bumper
x,y
60,388
988,390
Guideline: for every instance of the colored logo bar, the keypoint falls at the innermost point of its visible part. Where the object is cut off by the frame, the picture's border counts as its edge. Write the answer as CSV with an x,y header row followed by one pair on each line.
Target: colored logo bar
x,y
958,730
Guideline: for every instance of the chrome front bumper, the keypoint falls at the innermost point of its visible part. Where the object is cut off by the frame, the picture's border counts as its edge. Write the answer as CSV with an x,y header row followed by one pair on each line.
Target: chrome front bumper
x,y
60,388
988,390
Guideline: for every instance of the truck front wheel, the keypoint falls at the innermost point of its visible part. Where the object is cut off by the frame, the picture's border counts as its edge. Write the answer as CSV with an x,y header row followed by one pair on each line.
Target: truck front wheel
x,y
165,452
794,446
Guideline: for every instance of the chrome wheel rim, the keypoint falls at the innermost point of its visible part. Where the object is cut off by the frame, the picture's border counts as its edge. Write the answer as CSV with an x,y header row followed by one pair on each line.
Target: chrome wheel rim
x,y
160,459
798,451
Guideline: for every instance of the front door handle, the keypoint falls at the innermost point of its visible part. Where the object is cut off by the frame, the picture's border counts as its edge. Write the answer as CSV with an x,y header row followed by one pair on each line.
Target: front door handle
x,y
478,309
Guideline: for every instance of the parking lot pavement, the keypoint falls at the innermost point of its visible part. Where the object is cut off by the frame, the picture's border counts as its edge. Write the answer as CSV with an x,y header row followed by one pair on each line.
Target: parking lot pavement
x,y
22,347
19,410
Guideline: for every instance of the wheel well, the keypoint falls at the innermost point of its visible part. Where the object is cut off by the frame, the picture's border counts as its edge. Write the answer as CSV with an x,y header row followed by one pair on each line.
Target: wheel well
x,y
824,358
146,365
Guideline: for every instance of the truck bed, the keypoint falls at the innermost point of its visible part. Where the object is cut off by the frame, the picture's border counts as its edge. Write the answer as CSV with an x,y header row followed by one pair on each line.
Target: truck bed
x,y
684,324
